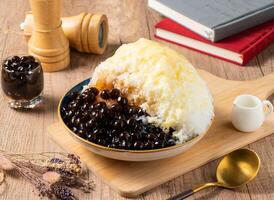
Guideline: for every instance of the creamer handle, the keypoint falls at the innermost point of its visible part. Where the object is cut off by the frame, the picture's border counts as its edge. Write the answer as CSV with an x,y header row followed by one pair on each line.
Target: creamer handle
x,y
269,105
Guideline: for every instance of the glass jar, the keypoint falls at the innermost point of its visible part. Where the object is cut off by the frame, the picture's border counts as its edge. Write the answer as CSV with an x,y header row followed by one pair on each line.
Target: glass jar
x,y
22,81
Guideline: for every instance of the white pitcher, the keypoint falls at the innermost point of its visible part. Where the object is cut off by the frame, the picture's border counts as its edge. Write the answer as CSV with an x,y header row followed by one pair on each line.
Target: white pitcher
x,y
248,112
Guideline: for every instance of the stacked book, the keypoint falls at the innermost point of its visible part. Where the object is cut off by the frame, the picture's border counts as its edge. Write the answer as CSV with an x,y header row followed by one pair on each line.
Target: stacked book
x,y
234,30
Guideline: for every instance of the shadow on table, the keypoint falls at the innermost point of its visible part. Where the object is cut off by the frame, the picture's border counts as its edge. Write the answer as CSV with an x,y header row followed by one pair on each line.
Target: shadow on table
x,y
271,98
78,59
49,105
210,194
266,55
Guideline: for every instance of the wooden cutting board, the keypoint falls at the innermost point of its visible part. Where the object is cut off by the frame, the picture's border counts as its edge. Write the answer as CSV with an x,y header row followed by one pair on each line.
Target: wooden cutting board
x,y
133,178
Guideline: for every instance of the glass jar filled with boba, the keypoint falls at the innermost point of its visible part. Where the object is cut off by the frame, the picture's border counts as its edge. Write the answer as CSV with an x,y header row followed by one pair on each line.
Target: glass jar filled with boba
x,y
22,81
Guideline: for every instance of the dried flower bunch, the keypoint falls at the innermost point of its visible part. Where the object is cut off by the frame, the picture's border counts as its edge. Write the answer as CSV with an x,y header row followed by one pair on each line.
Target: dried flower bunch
x,y
54,175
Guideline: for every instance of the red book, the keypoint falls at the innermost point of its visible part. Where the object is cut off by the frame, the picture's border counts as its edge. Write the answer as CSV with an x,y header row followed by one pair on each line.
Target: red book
x,y
237,49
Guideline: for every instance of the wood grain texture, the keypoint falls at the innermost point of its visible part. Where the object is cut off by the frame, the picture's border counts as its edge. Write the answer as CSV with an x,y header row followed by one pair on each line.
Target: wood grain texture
x,y
130,178
129,20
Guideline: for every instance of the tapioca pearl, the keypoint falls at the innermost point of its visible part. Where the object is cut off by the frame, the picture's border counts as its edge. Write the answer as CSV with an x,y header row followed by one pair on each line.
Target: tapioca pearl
x,y
122,101
100,105
114,93
105,94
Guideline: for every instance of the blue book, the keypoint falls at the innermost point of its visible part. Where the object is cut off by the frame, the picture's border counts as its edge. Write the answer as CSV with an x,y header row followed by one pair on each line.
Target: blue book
x,y
216,19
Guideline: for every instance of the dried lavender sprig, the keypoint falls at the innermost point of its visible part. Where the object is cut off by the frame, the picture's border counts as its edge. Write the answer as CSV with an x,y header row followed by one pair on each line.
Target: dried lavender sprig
x,y
70,162
46,154
42,186
63,192
34,167
37,157
68,166
70,170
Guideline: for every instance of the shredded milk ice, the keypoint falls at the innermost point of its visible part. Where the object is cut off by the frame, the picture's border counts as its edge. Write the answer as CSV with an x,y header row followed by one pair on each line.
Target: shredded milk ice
x,y
163,83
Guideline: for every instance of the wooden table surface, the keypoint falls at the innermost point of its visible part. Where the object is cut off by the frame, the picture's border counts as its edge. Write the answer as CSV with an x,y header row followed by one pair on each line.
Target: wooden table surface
x,y
129,20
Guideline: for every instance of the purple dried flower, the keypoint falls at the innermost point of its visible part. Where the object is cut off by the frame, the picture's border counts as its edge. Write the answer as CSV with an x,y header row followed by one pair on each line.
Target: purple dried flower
x,y
43,189
62,192
74,159
56,160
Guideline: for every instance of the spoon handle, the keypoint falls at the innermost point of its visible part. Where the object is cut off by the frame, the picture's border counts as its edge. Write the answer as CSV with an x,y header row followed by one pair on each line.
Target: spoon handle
x,y
182,195
190,192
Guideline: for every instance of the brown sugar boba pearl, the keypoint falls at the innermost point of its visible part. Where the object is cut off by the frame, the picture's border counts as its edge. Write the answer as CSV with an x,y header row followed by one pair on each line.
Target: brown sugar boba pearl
x,y
122,101
115,124
105,94
115,93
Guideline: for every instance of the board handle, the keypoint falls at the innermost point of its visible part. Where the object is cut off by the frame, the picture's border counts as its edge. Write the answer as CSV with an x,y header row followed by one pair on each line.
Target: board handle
x,y
265,85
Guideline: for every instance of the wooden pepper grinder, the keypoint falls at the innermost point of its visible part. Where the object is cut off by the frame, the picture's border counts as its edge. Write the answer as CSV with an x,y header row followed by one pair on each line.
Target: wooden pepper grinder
x,y
48,42
85,32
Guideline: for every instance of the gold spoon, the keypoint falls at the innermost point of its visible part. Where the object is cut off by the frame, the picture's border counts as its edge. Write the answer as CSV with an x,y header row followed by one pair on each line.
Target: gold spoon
x,y
235,169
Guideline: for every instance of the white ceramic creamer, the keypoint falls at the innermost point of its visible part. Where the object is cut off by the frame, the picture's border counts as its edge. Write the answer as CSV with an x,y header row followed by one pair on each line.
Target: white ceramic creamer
x,y
249,112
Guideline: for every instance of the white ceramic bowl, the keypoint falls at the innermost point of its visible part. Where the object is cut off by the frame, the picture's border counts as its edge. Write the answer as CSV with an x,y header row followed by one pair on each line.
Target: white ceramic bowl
x,y
121,154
